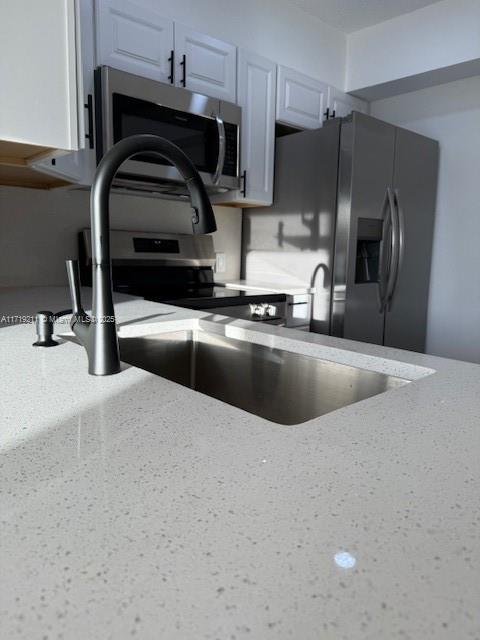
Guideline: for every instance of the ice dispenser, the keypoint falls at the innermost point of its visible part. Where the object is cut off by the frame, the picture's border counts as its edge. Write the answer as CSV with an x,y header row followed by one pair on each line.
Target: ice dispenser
x,y
369,238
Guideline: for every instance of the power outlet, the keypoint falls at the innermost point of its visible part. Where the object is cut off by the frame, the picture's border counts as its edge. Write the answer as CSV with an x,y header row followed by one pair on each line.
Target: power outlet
x,y
220,263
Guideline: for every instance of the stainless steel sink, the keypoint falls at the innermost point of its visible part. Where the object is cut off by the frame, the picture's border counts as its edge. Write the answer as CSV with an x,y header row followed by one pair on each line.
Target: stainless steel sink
x,y
281,386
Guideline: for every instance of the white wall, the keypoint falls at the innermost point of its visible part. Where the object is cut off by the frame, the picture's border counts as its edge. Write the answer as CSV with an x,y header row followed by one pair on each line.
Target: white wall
x,y
39,230
275,29
451,114
444,35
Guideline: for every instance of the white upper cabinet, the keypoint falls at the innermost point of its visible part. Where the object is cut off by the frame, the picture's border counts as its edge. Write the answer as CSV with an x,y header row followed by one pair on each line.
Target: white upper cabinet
x,y
138,40
79,167
204,64
38,78
133,38
342,104
256,95
301,101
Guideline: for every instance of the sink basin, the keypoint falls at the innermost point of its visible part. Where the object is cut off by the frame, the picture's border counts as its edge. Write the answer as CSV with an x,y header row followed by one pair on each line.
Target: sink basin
x,y
278,385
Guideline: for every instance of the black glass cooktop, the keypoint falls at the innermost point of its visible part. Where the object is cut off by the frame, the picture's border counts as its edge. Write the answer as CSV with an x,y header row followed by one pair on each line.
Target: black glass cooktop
x,y
212,296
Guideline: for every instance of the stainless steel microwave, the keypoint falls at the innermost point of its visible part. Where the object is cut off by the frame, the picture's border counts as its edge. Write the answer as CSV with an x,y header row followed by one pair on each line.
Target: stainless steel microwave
x,y
206,129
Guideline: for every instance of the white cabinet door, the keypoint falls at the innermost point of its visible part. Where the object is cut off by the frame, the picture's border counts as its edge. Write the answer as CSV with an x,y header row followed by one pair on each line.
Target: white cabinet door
x,y
79,166
256,95
301,101
204,64
133,38
342,104
38,77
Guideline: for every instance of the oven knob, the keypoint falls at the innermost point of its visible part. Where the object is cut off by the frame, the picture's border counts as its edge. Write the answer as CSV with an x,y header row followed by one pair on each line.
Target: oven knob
x,y
259,310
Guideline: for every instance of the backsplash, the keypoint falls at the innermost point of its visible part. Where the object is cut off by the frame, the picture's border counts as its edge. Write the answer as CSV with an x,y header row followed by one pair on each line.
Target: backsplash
x,y
39,230
286,246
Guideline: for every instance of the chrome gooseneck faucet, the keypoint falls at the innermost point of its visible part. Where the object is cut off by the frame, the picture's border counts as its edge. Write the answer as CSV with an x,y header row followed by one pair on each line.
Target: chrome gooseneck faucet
x,y
98,332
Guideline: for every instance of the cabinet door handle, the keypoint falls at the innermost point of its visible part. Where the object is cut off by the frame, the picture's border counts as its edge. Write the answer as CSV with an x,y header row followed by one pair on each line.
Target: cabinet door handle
x,y
326,113
172,66
89,107
244,189
183,64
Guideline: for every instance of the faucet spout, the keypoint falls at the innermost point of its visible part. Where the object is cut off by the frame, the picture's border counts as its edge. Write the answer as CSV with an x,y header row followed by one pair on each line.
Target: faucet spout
x,y
98,332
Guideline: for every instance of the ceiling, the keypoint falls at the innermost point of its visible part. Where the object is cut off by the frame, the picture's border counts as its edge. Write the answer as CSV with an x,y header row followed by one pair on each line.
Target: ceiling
x,y
351,15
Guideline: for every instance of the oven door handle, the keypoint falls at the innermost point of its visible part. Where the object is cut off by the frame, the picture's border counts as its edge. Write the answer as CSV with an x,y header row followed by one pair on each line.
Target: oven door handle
x,y
221,150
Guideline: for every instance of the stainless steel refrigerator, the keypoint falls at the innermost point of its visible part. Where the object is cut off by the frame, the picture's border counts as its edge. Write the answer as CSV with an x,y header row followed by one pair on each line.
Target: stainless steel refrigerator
x,y
358,194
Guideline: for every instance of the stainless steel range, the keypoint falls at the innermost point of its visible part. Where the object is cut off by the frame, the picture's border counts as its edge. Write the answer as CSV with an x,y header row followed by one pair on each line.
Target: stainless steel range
x,y
178,269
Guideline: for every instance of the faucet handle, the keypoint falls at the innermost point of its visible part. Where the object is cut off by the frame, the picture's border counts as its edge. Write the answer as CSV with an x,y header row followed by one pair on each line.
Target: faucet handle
x,y
74,284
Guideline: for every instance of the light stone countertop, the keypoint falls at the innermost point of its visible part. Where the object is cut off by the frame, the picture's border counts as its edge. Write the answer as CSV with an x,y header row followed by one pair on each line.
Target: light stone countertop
x,y
134,507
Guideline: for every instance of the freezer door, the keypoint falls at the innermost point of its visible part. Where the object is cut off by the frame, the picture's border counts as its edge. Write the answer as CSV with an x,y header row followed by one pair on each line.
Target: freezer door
x,y
292,241
415,188
364,220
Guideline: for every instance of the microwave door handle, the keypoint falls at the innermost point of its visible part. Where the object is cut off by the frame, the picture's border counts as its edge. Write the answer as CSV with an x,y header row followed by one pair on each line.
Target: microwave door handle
x,y
221,150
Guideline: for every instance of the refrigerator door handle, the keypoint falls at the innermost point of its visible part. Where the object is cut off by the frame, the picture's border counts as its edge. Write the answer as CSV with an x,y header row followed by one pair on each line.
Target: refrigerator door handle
x,y
398,249
401,229
386,253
